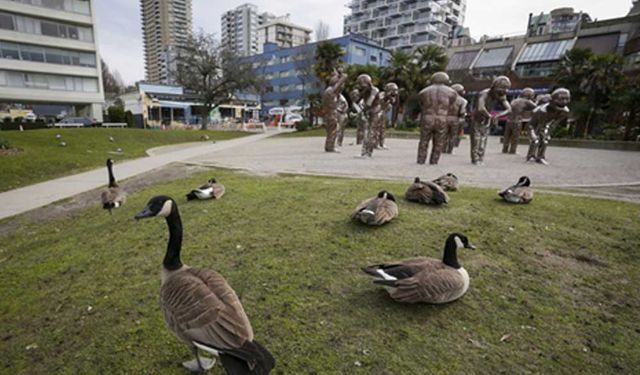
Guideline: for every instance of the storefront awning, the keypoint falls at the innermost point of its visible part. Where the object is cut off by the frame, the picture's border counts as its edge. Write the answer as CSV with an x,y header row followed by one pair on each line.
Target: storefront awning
x,y
599,44
547,51
494,57
173,104
461,60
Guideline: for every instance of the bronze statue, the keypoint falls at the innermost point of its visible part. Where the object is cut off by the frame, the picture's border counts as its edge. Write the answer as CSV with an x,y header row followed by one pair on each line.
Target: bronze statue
x,y
457,114
488,100
330,99
435,103
342,110
544,120
357,114
521,111
372,109
388,97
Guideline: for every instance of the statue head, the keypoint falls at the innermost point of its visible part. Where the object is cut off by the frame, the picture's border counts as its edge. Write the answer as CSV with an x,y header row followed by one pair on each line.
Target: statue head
x,y
459,89
561,97
391,89
544,99
528,93
440,78
501,85
354,95
334,78
364,82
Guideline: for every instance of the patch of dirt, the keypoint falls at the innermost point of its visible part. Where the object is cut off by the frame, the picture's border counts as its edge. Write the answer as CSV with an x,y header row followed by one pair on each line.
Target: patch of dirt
x,y
10,151
66,208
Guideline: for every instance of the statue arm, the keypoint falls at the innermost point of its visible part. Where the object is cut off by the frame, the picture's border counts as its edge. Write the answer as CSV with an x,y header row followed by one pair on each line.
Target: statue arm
x,y
507,110
482,106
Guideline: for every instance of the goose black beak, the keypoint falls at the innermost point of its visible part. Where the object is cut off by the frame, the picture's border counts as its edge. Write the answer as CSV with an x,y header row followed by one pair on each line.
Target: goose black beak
x,y
470,246
144,213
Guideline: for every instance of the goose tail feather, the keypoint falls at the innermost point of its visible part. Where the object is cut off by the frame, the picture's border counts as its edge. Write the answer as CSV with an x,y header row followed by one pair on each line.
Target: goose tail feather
x,y
191,196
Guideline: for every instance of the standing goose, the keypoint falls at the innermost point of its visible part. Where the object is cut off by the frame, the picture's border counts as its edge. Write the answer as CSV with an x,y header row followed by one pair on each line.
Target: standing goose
x,y
518,193
201,309
426,192
448,182
114,197
424,279
378,210
211,190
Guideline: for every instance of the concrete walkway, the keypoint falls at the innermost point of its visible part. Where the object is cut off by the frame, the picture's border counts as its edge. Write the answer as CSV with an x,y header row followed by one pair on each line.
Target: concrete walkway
x,y
570,167
21,200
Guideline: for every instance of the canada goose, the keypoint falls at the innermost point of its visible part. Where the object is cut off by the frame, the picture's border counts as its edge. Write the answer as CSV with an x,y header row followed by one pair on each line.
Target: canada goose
x,y
378,210
58,136
426,279
63,144
111,139
211,190
448,182
201,309
114,197
426,192
518,193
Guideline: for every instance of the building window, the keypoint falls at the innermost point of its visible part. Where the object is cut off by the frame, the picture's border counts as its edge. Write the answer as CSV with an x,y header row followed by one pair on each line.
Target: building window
x,y
75,6
359,51
48,82
30,25
45,54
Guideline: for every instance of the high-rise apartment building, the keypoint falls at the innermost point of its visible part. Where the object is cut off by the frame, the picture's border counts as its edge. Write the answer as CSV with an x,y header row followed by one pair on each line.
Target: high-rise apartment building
x,y
283,33
239,29
405,24
49,56
166,25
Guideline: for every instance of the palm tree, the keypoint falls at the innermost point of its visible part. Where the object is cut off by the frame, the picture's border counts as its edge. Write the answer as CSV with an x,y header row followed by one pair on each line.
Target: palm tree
x,y
431,59
328,56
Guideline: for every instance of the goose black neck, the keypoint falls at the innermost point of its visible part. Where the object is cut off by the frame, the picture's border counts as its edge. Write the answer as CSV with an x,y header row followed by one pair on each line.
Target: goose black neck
x,y
112,179
451,253
172,257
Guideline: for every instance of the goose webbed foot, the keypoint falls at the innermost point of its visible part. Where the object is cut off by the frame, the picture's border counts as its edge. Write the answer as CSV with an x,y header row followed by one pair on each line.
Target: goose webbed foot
x,y
199,364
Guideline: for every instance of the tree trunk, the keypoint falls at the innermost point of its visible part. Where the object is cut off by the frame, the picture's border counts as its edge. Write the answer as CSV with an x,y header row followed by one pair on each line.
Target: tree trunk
x,y
630,121
205,116
587,124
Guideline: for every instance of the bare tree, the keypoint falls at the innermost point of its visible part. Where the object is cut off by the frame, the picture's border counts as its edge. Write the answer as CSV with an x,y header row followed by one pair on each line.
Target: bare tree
x,y
212,72
322,31
111,81
303,62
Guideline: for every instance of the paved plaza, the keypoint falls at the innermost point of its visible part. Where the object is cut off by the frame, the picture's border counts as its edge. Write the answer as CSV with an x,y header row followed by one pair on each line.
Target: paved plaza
x,y
570,167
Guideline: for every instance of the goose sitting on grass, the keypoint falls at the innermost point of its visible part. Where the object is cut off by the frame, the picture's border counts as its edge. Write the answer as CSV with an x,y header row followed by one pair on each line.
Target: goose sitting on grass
x,y
211,190
448,182
378,210
424,279
426,192
521,192
201,309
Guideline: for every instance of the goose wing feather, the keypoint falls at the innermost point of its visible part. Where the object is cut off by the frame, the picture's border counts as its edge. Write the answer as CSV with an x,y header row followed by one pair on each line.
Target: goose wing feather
x,y
406,268
386,211
200,306
429,286
218,190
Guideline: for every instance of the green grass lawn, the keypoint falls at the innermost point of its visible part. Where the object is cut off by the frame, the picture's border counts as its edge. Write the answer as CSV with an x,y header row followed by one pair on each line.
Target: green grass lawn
x,y
556,280
42,158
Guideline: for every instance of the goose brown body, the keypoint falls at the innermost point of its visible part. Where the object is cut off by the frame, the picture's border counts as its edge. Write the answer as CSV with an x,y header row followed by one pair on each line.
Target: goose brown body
x,y
426,192
376,211
518,193
448,182
423,279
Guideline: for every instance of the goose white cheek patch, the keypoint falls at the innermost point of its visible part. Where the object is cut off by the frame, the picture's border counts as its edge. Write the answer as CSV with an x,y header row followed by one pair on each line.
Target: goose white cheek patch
x,y
166,209
459,242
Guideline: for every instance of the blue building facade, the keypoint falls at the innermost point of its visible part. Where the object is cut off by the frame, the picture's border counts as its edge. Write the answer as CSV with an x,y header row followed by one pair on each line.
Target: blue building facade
x,y
288,71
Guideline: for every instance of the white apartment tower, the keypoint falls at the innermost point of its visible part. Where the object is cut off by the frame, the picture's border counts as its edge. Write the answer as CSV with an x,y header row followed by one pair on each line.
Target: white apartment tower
x,y
405,24
239,28
49,56
166,25
283,33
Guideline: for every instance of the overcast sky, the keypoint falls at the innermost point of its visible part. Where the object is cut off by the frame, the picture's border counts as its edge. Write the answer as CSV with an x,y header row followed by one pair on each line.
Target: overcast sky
x,y
120,31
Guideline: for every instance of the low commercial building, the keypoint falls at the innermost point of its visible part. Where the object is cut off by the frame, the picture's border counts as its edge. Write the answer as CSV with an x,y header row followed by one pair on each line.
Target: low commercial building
x,y
160,105
289,74
49,58
530,59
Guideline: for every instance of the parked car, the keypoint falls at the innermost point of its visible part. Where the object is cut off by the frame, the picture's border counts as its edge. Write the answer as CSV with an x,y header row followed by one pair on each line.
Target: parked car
x,y
86,121
30,116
